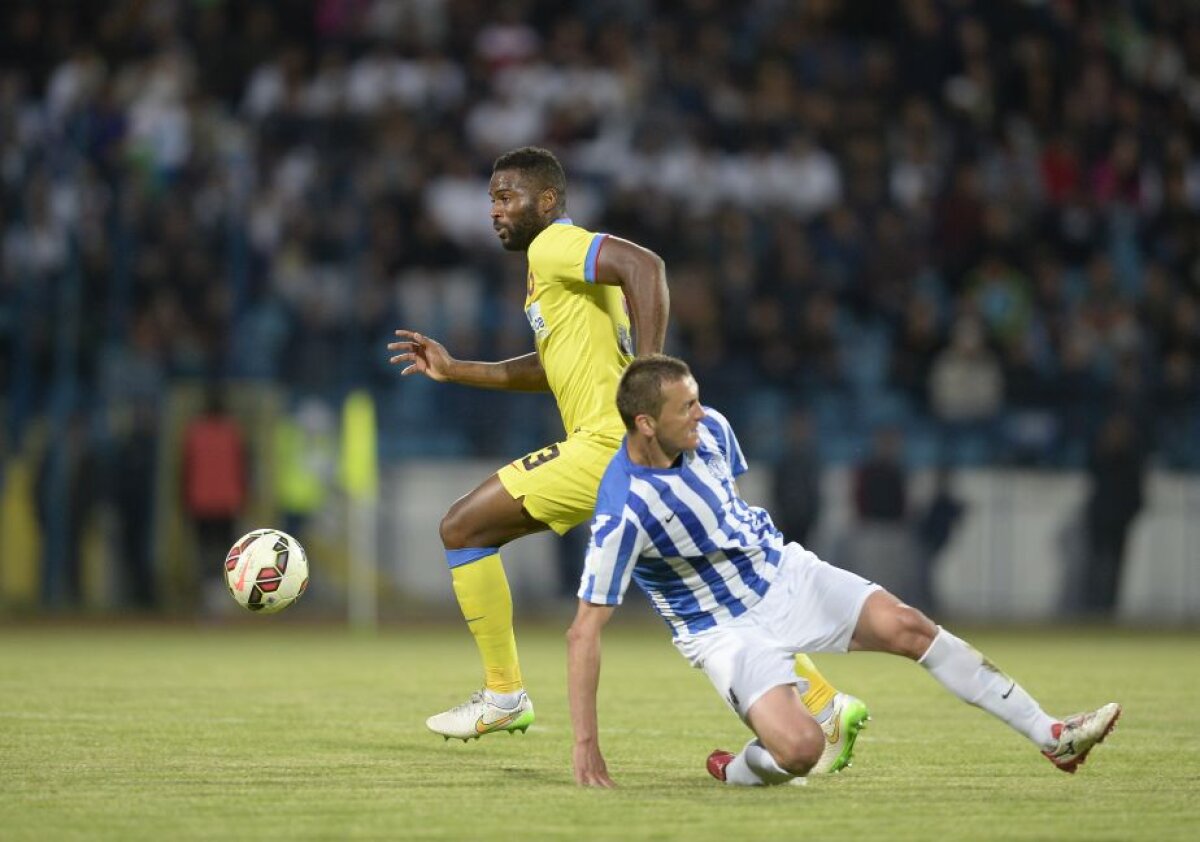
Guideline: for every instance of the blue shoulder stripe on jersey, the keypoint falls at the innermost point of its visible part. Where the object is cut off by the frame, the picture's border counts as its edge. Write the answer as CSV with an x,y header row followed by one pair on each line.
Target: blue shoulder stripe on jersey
x,y
614,486
589,262
623,556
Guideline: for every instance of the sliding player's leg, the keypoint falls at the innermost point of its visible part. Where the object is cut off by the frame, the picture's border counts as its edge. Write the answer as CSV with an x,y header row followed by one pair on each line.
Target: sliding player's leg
x,y
473,531
787,743
750,664
840,715
888,625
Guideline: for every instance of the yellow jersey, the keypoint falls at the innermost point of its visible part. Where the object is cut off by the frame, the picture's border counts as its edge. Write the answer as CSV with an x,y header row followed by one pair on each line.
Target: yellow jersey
x,y
581,328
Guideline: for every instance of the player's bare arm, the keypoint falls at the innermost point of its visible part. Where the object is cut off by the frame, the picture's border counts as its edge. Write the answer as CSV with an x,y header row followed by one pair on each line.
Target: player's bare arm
x,y
420,354
642,275
583,679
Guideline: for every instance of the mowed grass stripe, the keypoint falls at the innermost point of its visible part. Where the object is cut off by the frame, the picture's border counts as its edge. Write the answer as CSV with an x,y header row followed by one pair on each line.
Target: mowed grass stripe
x,y
277,730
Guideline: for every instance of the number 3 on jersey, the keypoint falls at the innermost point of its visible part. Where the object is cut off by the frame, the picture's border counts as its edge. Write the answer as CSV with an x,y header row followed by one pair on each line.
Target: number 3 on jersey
x,y
540,458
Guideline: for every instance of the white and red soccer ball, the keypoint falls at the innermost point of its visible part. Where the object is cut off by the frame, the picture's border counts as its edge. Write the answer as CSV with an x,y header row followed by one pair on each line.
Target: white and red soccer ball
x,y
266,570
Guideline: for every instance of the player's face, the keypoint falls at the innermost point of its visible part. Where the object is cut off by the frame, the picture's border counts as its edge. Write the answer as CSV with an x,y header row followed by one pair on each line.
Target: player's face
x,y
678,425
515,215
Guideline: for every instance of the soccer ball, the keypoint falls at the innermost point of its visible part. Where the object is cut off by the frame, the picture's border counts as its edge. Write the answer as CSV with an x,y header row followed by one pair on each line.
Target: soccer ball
x,y
266,570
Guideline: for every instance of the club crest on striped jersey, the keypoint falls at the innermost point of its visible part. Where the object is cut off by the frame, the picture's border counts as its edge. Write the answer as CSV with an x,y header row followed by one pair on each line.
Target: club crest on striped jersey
x,y
716,464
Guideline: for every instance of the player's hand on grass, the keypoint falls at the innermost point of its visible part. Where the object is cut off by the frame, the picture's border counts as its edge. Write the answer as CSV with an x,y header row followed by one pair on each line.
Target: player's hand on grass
x,y
421,355
589,766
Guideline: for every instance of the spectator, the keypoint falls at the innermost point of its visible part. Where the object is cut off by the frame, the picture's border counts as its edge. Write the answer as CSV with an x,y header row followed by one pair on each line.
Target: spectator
x,y
917,344
63,491
797,481
880,546
1117,465
215,479
880,485
305,461
935,525
135,502
966,387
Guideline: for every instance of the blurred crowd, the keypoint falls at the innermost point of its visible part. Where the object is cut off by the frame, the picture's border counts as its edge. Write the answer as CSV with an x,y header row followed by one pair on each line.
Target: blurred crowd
x,y
973,223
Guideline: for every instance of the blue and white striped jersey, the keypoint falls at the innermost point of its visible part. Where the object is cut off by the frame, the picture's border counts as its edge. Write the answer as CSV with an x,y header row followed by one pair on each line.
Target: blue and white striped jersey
x,y
683,534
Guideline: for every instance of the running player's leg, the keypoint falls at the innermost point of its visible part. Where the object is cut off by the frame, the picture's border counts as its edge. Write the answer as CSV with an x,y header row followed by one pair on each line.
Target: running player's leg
x,y
551,488
472,532
888,625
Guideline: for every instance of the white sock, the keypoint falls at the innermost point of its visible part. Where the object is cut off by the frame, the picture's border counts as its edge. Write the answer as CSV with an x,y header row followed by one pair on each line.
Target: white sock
x,y
504,700
973,678
754,766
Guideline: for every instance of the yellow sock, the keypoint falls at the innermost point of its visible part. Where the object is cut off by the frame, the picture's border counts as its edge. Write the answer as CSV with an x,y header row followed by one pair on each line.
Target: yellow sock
x,y
486,603
820,692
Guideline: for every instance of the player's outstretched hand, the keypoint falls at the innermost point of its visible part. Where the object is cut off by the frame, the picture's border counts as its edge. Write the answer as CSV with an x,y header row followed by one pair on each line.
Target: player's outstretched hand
x,y
421,355
590,769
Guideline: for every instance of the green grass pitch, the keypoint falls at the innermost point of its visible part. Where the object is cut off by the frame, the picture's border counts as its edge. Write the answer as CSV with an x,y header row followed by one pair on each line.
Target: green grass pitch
x,y
271,729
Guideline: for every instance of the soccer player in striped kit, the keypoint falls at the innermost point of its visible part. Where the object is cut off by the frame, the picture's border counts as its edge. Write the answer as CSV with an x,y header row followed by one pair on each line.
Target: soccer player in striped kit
x,y
741,600
593,302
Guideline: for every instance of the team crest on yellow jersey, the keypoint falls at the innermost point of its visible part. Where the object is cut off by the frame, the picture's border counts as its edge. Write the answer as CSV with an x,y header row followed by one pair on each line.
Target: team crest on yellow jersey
x,y
536,320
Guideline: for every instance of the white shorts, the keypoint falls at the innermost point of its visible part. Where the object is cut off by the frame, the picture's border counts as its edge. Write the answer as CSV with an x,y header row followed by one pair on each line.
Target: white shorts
x,y
811,607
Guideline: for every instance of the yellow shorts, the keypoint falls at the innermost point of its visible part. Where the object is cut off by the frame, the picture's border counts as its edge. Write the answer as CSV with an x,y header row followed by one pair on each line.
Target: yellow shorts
x,y
559,482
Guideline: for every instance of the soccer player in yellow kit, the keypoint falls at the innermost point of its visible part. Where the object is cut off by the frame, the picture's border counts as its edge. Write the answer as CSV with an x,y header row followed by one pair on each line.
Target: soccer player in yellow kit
x,y
592,301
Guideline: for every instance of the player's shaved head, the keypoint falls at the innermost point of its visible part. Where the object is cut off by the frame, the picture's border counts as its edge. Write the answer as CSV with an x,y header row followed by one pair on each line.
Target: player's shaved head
x,y
540,168
640,391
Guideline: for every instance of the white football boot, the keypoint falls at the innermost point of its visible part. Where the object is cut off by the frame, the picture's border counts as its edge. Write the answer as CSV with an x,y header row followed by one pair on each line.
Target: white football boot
x,y
841,729
1079,734
479,715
